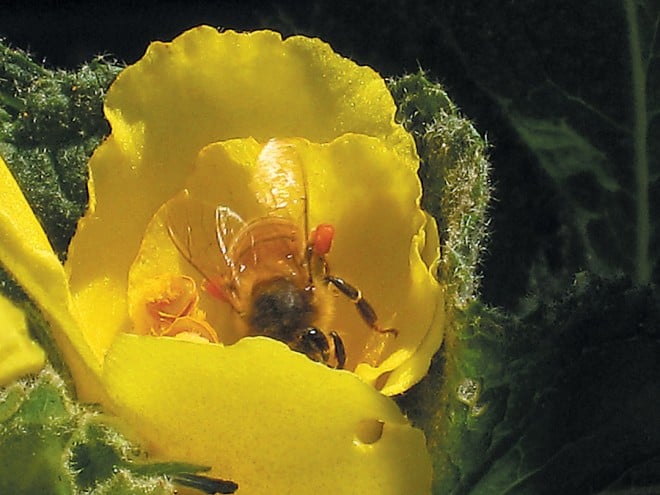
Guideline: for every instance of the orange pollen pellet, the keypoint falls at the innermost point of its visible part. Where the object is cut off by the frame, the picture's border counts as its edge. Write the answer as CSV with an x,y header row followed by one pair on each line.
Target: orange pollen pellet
x,y
321,238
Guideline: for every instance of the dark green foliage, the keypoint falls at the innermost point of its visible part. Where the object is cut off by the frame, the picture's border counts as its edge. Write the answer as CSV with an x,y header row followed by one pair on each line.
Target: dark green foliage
x,y
40,434
580,85
561,400
50,122
33,438
554,400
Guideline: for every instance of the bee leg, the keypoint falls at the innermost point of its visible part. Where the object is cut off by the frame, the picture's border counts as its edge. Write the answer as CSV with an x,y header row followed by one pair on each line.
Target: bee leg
x,y
365,309
317,265
340,350
205,484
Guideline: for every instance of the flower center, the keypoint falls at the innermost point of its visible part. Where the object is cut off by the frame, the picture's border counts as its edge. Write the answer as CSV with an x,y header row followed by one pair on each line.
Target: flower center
x,y
168,307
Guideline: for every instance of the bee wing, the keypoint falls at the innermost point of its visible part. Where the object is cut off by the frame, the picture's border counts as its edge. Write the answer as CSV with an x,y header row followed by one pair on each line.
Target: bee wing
x,y
280,182
228,224
201,232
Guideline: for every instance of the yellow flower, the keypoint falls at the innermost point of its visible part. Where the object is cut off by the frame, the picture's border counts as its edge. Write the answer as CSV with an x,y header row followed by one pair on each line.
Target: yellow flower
x,y
19,355
212,132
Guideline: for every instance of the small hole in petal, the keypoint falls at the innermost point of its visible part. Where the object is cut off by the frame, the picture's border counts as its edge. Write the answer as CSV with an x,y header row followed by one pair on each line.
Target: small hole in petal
x,y
369,431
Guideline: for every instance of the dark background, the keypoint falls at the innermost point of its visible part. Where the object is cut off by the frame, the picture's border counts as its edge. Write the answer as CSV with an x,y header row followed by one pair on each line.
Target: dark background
x,y
460,43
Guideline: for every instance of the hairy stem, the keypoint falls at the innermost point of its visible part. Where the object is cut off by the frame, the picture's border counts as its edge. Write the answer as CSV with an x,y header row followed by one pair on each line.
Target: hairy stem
x,y
641,159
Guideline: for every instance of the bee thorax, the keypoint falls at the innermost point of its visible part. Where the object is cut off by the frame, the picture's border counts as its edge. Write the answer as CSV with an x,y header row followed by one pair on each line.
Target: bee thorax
x,y
280,309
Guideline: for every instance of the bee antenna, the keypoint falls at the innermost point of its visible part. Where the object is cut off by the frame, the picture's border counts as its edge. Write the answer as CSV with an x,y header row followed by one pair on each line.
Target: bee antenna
x,y
305,200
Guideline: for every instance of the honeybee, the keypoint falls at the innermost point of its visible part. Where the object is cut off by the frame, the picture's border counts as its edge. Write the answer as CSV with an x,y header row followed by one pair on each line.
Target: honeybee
x,y
269,269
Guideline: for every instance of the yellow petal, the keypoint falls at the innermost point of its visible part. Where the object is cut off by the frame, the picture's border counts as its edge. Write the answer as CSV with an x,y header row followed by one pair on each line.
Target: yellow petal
x,y
368,192
19,354
269,419
371,195
409,372
208,86
26,253
99,288
203,87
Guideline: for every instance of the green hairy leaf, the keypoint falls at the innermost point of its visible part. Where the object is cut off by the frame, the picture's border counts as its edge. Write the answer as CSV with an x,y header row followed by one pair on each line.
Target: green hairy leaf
x,y
50,122
455,177
57,447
